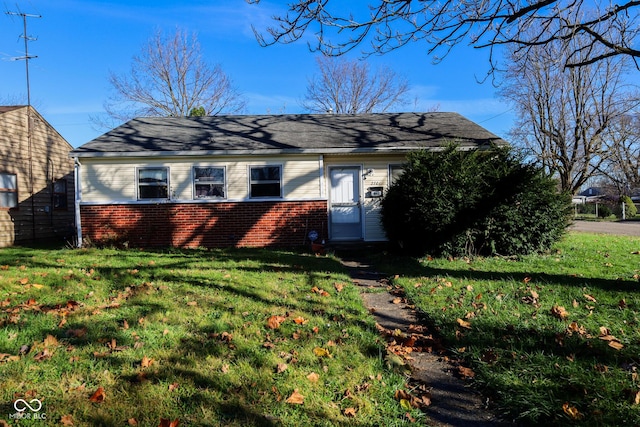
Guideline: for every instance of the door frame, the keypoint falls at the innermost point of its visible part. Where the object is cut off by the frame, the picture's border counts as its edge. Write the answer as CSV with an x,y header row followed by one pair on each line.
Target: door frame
x,y
360,203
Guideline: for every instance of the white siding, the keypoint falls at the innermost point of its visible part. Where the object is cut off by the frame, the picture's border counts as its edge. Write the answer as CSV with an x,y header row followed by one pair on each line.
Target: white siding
x,y
114,180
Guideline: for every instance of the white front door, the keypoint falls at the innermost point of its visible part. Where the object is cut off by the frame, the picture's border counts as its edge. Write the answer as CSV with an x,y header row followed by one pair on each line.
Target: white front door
x,y
345,208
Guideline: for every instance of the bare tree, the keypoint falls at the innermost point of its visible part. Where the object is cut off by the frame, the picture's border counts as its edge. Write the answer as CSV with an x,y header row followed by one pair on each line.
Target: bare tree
x,y
608,29
564,114
170,78
350,87
622,167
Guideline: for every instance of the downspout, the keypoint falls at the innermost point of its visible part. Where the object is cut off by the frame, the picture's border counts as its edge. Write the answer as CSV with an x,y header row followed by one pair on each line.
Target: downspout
x,y
77,198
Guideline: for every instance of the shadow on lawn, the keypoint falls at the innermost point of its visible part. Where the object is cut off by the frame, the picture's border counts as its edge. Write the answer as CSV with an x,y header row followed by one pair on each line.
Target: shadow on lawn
x,y
232,401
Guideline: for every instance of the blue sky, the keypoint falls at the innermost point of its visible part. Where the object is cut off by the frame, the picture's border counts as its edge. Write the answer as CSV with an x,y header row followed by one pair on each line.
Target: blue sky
x,y
80,41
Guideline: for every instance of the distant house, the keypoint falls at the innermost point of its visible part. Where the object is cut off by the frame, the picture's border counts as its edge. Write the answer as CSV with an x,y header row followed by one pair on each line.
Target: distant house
x,y
265,180
36,179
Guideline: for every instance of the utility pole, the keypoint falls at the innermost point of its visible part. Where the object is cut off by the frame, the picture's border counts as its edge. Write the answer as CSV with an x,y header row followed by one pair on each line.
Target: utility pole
x,y
26,59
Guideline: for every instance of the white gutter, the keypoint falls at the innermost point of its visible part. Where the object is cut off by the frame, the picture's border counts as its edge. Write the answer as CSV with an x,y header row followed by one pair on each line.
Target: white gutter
x,y
77,198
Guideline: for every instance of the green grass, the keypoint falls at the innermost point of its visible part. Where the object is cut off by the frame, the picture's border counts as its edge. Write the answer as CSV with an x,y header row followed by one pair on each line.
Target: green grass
x,y
537,366
186,335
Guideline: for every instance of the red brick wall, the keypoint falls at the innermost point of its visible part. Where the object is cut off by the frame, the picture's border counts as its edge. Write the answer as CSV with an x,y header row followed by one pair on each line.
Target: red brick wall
x,y
256,224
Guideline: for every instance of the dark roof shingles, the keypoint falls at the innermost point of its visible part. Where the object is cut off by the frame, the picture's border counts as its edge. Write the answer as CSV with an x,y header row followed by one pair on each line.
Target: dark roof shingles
x,y
297,132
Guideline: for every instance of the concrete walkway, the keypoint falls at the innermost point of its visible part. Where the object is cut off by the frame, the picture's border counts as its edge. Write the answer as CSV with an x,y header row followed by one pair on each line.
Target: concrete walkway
x,y
453,402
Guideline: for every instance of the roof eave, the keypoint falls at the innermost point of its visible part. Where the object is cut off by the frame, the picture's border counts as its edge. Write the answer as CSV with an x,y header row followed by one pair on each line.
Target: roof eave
x,y
285,151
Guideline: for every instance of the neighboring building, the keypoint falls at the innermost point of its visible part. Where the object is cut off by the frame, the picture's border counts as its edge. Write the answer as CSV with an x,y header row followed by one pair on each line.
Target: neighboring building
x,y
253,180
36,179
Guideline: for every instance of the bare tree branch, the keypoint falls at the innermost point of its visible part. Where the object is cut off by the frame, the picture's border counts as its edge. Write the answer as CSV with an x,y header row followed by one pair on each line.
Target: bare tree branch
x,y
442,24
170,78
349,87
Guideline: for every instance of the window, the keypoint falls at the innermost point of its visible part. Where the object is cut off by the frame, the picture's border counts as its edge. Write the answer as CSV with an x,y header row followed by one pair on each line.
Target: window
x,y
60,194
264,181
208,182
8,190
153,183
394,172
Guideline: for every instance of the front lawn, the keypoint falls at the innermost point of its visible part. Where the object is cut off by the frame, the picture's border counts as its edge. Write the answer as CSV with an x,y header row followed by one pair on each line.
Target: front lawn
x,y
552,338
205,337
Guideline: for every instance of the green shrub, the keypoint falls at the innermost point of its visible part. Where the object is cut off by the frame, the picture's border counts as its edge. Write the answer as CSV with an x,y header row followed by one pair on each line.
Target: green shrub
x,y
473,203
604,211
630,209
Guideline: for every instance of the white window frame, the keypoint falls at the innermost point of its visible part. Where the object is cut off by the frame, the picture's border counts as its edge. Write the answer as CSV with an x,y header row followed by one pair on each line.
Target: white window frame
x,y
254,182
10,190
146,184
196,182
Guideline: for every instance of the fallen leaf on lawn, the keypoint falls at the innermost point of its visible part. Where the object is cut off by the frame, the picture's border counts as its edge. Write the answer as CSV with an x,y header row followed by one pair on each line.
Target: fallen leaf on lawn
x,y
50,341
321,352
168,423
590,298
66,420
98,396
44,354
281,367
295,398
300,320
339,286
559,312
173,386
526,279
572,411
397,300
125,324
616,345
466,372
350,412
132,422
635,397
274,322
146,362
192,303
464,323
313,377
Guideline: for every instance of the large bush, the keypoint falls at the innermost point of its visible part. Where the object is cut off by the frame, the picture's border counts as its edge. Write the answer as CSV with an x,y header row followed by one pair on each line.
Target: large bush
x,y
477,202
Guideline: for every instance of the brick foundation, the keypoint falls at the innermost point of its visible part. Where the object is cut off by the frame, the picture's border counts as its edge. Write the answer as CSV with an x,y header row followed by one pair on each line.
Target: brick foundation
x,y
243,224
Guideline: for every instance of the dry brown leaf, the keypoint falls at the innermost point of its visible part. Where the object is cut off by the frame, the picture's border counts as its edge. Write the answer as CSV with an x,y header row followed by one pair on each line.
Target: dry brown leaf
x,y
300,320
313,377
616,345
295,398
466,372
339,286
281,367
635,397
397,300
559,312
168,423
132,422
572,411
192,303
66,420
590,298
146,362
274,322
98,396
50,341
464,324
173,386
350,412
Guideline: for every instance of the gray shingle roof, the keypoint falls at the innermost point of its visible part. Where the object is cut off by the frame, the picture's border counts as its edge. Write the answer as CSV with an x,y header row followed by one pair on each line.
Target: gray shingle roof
x,y
289,133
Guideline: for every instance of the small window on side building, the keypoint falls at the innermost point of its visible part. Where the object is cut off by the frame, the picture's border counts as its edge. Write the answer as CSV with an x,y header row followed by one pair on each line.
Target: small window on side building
x,y
8,190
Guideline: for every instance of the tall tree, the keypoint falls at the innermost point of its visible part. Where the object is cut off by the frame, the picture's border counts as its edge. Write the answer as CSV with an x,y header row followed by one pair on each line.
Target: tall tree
x,y
169,78
609,29
564,114
622,166
350,87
